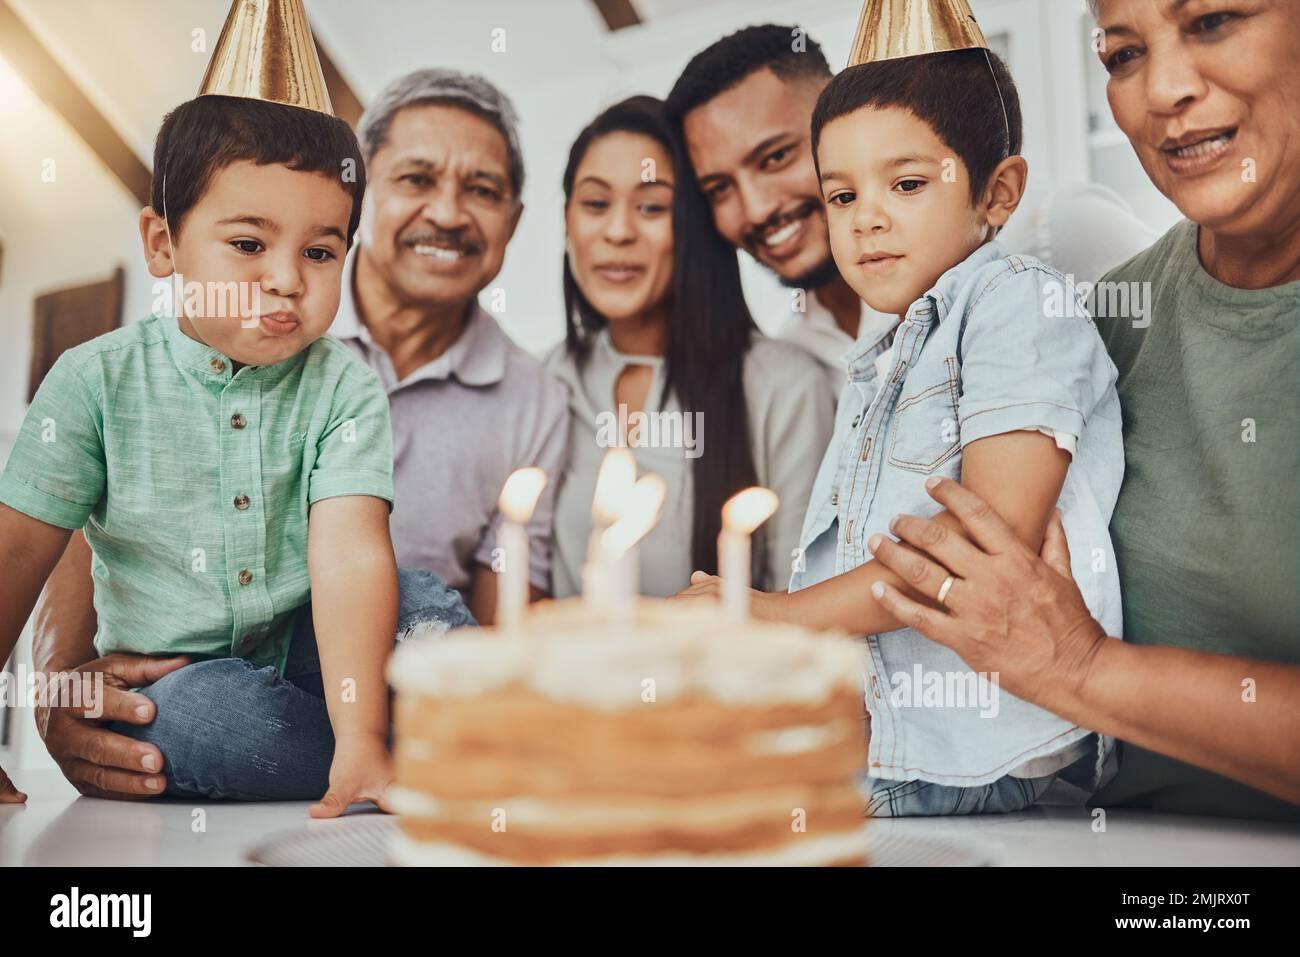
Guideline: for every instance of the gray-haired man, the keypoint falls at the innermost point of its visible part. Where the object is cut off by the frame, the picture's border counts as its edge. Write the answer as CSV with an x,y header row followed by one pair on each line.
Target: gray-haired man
x,y
469,406
443,199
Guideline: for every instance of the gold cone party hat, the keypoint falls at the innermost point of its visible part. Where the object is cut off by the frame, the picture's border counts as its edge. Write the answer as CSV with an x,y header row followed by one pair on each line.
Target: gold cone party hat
x,y
889,29
266,52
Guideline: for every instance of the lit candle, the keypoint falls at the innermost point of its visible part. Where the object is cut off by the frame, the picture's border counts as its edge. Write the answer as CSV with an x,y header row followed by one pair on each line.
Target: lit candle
x,y
614,483
615,479
618,543
741,515
518,499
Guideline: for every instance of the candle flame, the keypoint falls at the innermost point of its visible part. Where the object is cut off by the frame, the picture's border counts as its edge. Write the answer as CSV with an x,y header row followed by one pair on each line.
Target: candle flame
x,y
639,513
748,509
614,483
520,493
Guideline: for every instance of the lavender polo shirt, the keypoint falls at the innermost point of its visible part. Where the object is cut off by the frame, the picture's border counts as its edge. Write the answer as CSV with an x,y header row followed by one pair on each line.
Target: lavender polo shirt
x,y
461,424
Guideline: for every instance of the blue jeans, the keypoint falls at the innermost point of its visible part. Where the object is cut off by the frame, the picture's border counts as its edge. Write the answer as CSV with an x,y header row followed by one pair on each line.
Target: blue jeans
x,y
229,729
1003,796
926,799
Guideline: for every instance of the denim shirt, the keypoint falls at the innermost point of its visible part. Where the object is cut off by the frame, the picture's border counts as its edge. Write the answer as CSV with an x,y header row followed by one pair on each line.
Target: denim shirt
x,y
1001,343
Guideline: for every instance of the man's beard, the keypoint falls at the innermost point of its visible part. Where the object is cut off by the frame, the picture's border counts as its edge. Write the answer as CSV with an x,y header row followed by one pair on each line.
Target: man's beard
x,y
814,278
821,274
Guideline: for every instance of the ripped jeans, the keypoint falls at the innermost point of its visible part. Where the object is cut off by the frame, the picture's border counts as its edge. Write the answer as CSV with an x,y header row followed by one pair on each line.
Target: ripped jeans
x,y
229,729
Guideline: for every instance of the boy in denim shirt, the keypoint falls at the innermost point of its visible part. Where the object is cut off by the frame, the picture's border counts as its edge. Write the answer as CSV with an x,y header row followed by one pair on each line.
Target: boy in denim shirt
x,y
986,379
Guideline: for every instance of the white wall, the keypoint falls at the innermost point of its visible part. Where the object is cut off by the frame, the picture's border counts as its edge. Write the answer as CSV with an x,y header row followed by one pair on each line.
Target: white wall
x,y
73,230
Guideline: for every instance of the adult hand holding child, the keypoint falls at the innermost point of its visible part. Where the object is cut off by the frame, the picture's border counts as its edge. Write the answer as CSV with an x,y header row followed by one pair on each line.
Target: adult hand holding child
x,y
1006,610
1022,616
97,761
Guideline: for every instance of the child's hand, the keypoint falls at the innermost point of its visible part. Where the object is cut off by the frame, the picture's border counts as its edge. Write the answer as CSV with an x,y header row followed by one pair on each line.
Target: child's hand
x,y
703,586
706,587
8,793
361,770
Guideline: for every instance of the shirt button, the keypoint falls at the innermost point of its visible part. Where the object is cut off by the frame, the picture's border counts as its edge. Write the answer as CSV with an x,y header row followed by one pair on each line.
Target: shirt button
x,y
241,502
835,498
237,421
856,419
245,577
218,365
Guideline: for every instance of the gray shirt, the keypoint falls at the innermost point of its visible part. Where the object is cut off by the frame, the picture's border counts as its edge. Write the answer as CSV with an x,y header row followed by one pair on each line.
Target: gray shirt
x,y
791,415
461,424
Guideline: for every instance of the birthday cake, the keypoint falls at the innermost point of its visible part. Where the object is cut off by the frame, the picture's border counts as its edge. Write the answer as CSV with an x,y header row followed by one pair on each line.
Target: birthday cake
x,y
676,736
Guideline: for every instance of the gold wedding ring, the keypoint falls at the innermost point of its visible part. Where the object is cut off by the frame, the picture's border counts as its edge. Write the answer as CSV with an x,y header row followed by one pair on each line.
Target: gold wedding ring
x,y
943,589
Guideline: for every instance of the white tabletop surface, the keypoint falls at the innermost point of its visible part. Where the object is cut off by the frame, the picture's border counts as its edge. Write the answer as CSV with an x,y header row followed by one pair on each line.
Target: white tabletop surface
x,y
58,827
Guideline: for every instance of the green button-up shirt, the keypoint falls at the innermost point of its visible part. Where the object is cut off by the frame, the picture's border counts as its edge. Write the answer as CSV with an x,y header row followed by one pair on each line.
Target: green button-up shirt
x,y
193,485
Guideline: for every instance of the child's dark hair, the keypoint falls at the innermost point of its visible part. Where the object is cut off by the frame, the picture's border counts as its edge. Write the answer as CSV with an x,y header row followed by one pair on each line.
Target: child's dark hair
x,y
785,50
204,135
954,92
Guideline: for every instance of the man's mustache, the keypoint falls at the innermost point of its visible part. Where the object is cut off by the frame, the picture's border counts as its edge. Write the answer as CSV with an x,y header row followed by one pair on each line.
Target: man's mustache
x,y
455,239
753,237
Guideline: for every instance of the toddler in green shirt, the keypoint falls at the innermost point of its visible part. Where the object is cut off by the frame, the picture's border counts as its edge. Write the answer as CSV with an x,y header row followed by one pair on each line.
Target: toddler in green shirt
x,y
228,462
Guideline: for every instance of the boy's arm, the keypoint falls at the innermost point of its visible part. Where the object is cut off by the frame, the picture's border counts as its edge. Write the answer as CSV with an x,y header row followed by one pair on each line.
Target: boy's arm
x,y
65,622
29,550
354,606
97,761
1019,473
1024,618
1016,374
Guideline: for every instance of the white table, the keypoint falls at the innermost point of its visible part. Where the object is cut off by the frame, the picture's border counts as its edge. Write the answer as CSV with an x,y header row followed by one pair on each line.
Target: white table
x,y
58,827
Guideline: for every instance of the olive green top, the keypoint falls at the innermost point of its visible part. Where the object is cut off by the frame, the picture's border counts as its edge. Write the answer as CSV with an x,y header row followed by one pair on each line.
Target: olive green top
x,y
1207,527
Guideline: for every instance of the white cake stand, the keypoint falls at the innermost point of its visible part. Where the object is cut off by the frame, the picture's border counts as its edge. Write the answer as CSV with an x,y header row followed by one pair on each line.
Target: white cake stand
x,y
361,840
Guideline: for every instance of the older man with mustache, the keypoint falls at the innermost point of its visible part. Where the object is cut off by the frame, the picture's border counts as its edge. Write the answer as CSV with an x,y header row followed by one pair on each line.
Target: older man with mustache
x,y
469,406
445,177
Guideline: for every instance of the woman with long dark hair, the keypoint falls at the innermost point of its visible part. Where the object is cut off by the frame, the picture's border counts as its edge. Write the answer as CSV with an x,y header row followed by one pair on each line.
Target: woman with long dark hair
x,y
661,355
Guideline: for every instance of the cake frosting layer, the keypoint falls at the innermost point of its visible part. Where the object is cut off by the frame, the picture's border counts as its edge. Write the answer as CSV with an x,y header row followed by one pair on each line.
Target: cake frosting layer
x,y
569,655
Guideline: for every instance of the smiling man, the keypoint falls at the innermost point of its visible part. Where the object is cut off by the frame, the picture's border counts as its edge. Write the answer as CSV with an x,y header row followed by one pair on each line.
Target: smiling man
x,y
744,104
469,406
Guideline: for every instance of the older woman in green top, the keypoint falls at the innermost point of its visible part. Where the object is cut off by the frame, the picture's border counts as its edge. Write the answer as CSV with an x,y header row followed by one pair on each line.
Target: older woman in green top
x,y
1204,692
661,355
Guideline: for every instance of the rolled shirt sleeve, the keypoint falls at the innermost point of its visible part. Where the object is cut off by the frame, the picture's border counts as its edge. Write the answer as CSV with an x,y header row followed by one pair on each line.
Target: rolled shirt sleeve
x,y
1026,368
56,472
354,454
